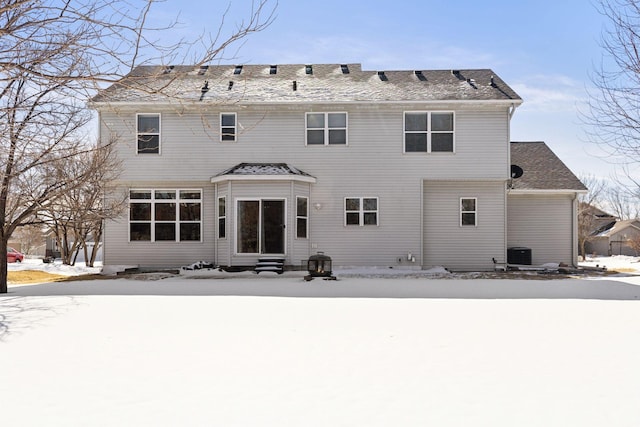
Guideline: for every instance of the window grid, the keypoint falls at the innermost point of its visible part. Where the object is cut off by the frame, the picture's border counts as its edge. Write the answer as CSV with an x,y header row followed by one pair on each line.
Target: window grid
x,y
429,132
361,211
165,215
326,128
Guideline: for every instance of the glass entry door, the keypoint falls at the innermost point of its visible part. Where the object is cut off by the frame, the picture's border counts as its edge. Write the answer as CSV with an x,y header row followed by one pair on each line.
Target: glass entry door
x,y
261,226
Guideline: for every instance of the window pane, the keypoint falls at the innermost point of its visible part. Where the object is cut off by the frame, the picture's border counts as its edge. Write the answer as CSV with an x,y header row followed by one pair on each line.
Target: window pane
x,y
442,142
370,218
228,120
468,205
222,228
149,144
140,212
189,194
301,228
301,209
352,204
415,122
337,120
441,122
222,206
148,123
189,232
228,134
353,218
315,137
468,219
315,120
137,194
165,211
248,216
165,231
189,211
370,204
415,142
165,194
337,137
140,231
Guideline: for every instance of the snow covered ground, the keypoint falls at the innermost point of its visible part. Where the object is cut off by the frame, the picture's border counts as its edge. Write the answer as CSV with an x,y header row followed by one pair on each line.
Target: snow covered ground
x,y
375,348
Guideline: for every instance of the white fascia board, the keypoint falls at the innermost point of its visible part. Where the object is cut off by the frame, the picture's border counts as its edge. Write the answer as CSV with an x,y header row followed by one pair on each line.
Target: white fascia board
x,y
559,191
224,178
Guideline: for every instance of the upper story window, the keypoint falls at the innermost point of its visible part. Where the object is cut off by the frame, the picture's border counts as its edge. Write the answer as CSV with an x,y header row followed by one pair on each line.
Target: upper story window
x,y
165,215
428,132
361,211
228,127
326,128
148,133
468,211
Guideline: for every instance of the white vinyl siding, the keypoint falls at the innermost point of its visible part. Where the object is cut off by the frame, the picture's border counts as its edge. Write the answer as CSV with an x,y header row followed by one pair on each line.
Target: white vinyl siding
x,y
450,245
542,223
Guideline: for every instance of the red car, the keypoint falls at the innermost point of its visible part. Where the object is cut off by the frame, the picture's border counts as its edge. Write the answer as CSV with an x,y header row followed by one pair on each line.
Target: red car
x,y
14,256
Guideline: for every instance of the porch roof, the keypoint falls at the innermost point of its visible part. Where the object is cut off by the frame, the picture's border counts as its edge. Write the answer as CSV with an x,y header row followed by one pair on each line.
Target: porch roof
x,y
263,172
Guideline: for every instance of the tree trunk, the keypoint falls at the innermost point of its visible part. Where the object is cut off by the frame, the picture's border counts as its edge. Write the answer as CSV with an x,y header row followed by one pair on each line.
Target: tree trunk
x,y
3,268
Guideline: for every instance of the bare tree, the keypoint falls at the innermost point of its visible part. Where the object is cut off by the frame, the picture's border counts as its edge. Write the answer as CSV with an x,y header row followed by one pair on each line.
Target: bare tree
x,y
588,209
621,202
613,113
54,55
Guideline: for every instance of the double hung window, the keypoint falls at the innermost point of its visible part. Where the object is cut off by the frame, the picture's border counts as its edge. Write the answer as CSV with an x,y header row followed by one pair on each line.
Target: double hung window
x,y
148,133
228,127
428,132
302,217
165,215
468,211
326,128
222,217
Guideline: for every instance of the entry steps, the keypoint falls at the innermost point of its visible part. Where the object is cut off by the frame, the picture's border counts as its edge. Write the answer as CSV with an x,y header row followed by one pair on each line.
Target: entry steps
x,y
273,264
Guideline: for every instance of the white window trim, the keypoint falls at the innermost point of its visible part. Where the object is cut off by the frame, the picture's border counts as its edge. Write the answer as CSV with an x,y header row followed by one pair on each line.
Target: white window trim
x,y
177,221
326,129
138,153
475,212
362,211
306,217
429,132
236,201
235,126
226,209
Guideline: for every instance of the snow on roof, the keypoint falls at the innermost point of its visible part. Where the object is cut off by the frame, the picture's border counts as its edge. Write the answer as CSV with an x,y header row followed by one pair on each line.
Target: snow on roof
x,y
263,170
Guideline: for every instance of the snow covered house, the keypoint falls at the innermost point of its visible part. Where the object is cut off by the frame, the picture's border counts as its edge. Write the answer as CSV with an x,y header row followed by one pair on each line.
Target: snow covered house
x,y
229,164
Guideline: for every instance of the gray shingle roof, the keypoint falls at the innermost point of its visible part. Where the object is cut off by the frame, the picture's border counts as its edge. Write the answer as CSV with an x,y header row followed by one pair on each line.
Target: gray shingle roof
x,y
543,170
297,83
264,170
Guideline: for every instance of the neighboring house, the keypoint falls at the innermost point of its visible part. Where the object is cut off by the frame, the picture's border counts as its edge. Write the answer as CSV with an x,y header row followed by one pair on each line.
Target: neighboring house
x,y
615,238
403,168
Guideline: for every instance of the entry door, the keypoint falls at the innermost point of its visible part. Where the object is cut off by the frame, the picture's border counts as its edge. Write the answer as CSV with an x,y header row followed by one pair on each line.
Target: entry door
x,y
272,226
261,226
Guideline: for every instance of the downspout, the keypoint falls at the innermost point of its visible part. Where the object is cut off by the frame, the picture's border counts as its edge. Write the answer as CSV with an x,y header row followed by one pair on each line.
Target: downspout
x,y
574,231
511,111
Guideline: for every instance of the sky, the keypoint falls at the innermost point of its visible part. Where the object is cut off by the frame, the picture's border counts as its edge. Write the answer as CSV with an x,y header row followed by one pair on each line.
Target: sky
x,y
545,50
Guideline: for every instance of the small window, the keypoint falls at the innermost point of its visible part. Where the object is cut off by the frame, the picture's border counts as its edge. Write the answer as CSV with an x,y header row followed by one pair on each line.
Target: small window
x,y
302,217
468,211
427,132
222,217
361,211
228,127
326,128
148,133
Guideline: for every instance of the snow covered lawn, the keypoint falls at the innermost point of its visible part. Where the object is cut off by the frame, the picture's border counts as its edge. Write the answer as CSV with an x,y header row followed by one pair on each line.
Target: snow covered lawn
x,y
210,348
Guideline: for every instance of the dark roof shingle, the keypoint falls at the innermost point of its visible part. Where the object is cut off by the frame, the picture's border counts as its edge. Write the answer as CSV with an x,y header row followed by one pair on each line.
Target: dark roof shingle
x,y
543,170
